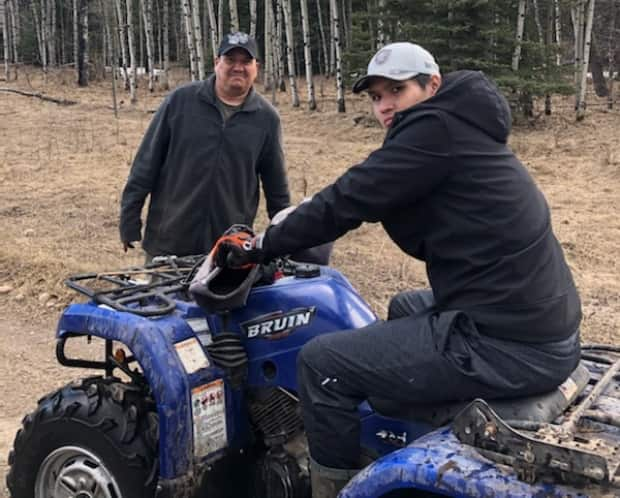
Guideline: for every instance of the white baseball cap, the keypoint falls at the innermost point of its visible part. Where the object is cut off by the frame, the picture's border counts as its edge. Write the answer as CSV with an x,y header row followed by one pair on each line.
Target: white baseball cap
x,y
398,61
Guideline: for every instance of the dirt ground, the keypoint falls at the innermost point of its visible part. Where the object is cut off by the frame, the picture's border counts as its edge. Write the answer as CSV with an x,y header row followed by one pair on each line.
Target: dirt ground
x,y
62,169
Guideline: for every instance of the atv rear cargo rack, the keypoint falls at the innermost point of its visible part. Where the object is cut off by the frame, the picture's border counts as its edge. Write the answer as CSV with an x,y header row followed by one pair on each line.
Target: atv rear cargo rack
x,y
141,290
581,446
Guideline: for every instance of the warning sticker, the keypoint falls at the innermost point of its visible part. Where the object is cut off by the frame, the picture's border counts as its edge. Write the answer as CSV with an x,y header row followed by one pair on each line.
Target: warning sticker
x,y
568,388
209,413
191,355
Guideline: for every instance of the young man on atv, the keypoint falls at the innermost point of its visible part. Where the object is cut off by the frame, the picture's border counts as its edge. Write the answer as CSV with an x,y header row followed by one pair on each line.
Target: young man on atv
x,y
502,317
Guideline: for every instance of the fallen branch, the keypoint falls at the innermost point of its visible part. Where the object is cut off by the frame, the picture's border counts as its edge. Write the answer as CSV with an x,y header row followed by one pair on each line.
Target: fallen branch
x,y
40,96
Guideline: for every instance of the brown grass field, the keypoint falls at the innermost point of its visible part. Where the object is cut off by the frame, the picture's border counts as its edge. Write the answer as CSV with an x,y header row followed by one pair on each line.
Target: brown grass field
x,y
62,169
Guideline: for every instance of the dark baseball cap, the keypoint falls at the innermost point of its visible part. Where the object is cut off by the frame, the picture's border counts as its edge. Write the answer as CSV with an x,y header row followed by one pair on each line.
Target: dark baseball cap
x,y
238,40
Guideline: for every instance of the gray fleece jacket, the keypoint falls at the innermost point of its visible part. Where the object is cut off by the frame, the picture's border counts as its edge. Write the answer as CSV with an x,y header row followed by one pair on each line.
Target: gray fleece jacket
x,y
202,173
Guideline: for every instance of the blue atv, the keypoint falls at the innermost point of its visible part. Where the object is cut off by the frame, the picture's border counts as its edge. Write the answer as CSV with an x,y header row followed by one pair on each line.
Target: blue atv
x,y
198,397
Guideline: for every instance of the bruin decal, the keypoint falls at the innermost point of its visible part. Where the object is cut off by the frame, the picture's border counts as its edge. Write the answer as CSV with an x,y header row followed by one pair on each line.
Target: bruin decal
x,y
278,324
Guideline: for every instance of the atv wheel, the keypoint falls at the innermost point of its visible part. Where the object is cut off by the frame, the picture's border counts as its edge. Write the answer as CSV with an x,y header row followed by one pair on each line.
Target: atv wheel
x,y
93,440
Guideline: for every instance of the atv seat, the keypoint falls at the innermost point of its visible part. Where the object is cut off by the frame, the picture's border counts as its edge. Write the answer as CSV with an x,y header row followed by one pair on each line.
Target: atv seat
x,y
538,408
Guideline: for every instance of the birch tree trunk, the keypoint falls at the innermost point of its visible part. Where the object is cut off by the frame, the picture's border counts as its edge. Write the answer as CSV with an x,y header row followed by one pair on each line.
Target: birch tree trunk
x,y
165,21
111,53
577,16
5,37
332,44
307,54
290,51
323,39
277,46
234,16
132,53
83,43
339,79
76,37
539,29
13,6
516,56
187,16
44,35
611,55
581,108
220,21
39,35
558,31
213,28
200,56
122,36
380,30
51,32
269,71
253,18
147,22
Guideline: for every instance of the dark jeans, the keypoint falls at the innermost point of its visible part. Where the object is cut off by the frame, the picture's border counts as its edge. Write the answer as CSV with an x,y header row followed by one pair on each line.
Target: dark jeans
x,y
418,356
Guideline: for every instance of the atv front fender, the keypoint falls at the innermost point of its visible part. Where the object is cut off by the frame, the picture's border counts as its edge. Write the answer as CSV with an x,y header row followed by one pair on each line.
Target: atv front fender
x,y
151,341
439,463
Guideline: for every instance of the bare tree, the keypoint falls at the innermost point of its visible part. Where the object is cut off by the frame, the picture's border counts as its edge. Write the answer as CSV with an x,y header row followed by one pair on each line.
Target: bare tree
x,y
13,15
189,32
197,31
277,47
581,102
76,31
122,36
380,28
253,18
290,51
5,36
611,55
82,62
307,54
50,27
269,72
339,79
220,20
558,31
111,53
165,21
147,18
516,56
132,52
323,39
213,30
234,15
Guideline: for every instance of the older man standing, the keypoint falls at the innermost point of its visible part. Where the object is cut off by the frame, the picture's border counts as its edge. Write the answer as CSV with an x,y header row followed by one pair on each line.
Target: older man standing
x,y
202,157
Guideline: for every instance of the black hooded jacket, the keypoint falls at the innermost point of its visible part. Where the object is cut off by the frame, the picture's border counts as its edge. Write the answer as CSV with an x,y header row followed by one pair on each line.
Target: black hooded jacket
x,y
450,192
202,173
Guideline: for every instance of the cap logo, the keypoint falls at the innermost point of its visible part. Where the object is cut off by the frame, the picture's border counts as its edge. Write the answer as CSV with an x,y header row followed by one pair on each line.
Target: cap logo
x,y
382,56
238,38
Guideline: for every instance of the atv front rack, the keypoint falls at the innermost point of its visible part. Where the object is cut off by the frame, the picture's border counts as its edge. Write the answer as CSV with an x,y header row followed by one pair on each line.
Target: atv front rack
x,y
582,446
142,290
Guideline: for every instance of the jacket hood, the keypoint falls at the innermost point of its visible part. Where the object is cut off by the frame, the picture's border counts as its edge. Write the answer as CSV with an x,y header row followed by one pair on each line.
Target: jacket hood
x,y
473,98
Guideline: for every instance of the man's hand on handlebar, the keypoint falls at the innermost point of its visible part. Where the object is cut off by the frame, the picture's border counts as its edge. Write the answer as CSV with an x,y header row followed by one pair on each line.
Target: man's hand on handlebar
x,y
237,249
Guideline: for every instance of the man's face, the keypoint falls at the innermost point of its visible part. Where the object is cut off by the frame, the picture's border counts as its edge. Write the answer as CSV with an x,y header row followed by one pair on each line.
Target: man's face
x,y
235,72
390,96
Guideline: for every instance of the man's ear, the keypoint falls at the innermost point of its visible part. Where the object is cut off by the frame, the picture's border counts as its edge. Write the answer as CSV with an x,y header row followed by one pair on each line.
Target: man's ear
x,y
435,83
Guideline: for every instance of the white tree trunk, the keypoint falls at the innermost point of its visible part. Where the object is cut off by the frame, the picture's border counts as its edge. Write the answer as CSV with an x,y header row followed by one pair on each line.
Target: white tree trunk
x,y
577,16
323,39
39,34
76,41
5,36
332,45
13,6
380,29
122,37
339,79
539,29
213,28
44,35
147,21
253,18
581,108
165,21
277,46
234,16
611,55
290,51
307,54
132,53
51,32
516,56
220,21
269,72
83,43
558,31
200,56
189,32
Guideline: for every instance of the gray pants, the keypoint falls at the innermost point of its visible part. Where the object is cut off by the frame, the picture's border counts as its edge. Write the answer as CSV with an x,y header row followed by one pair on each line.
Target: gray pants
x,y
418,356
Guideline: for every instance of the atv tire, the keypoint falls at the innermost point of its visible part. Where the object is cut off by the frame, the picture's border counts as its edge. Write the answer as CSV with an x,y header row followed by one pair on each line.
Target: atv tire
x,y
95,439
